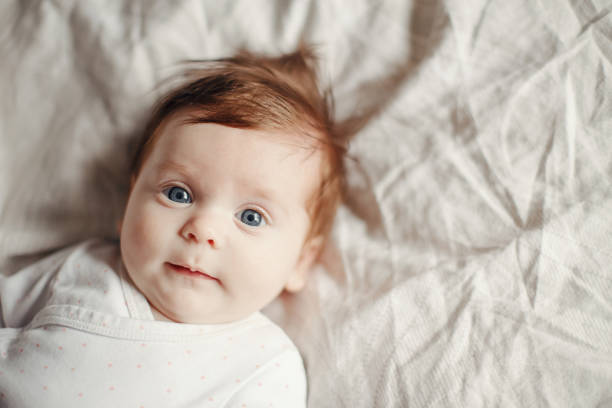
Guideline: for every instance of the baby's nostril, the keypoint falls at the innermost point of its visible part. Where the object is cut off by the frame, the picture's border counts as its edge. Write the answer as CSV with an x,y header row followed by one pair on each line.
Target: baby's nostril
x,y
211,242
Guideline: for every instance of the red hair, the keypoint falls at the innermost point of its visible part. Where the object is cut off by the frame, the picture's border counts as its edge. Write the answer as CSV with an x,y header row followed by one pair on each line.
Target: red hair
x,y
262,92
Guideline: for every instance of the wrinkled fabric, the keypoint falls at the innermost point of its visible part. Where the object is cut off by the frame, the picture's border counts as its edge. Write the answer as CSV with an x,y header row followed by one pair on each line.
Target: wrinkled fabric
x,y
470,265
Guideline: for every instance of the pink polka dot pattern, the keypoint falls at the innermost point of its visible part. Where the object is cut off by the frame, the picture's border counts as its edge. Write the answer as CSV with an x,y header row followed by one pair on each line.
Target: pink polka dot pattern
x,y
97,353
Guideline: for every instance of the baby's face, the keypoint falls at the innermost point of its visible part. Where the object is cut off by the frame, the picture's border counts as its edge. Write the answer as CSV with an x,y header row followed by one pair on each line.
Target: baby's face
x,y
215,223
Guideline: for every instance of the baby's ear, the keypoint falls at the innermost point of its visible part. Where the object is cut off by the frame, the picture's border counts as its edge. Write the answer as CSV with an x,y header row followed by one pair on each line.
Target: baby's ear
x,y
310,253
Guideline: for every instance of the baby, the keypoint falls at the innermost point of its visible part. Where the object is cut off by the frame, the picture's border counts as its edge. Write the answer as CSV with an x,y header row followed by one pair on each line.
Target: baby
x,y
233,192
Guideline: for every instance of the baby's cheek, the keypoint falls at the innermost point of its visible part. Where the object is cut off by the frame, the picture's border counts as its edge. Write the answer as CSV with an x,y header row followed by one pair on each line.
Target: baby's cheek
x,y
278,260
287,249
142,232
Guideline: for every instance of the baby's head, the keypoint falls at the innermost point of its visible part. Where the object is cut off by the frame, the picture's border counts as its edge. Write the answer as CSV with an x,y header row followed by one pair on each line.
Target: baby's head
x,y
234,189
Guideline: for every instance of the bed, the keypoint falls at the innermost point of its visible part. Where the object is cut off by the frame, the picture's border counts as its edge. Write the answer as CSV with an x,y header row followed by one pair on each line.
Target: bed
x,y
471,265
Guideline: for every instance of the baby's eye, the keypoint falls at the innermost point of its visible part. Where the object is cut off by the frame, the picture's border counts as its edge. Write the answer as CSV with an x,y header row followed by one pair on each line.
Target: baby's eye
x,y
178,195
251,218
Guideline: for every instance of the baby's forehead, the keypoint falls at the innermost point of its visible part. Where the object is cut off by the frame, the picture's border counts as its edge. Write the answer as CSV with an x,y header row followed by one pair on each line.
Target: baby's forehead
x,y
266,148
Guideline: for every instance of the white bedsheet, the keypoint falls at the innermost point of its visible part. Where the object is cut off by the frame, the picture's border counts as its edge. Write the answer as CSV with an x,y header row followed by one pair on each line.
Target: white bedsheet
x,y
472,264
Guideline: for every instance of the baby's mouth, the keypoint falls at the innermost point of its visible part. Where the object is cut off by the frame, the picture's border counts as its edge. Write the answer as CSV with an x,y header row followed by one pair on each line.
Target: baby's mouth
x,y
191,272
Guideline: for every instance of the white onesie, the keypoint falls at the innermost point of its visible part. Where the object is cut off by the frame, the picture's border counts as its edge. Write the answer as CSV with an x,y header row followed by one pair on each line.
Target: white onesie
x,y
77,333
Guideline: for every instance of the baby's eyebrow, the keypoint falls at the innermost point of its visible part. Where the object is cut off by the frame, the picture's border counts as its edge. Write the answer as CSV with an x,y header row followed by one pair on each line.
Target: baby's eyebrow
x,y
260,192
170,166
269,196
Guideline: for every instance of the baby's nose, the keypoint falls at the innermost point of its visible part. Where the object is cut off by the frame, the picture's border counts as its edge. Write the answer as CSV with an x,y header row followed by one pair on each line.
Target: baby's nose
x,y
202,230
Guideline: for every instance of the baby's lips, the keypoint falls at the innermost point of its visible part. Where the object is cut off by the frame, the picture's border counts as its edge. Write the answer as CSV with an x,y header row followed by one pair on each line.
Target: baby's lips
x,y
187,269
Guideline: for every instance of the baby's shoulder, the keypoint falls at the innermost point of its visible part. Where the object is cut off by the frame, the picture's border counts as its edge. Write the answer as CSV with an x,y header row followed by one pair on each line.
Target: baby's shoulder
x,y
275,371
24,293
262,329
269,342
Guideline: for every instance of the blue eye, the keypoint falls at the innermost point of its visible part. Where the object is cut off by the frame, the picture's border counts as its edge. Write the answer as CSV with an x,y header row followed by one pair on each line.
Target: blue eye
x,y
178,195
252,218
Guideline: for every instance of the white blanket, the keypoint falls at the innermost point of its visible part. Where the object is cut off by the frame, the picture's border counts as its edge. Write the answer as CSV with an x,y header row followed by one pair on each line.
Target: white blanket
x,y
472,263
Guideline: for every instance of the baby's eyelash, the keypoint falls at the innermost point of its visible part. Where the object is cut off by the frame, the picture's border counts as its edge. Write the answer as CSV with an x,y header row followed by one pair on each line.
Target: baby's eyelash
x,y
178,194
252,217
265,214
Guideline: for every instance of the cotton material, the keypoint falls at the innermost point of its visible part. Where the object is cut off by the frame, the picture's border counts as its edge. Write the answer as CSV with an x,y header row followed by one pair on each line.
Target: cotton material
x,y
77,333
